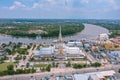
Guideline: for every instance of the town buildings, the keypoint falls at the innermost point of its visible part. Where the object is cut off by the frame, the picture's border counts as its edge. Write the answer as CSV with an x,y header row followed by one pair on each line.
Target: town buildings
x,y
71,49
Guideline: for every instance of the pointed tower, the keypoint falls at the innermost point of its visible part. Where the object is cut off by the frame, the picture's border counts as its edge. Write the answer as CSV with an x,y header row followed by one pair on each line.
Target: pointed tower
x,y
60,35
60,47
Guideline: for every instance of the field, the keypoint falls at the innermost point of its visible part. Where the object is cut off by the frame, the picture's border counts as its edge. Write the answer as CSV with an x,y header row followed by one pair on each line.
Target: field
x,y
3,66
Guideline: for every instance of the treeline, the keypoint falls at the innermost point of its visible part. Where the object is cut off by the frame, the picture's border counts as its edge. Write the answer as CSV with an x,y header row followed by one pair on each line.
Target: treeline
x,y
78,66
110,26
10,71
66,30
51,28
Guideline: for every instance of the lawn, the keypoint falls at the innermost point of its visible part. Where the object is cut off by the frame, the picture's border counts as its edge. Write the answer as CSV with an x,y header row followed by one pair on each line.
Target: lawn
x,y
3,66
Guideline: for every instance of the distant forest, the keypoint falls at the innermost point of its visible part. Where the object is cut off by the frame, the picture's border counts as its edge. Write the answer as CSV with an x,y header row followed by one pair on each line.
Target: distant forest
x,y
50,28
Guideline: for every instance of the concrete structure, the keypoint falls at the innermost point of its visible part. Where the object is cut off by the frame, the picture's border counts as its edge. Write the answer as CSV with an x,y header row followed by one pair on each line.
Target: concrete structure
x,y
114,56
46,52
104,75
60,44
75,43
103,37
116,40
61,50
74,52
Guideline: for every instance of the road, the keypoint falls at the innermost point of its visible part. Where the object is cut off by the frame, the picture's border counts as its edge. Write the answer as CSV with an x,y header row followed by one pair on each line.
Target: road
x,y
58,71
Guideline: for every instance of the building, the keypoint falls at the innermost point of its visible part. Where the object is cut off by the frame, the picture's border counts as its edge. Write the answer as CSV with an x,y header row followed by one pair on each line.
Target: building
x,y
115,56
75,43
1,55
104,75
103,37
116,40
45,52
61,50
74,52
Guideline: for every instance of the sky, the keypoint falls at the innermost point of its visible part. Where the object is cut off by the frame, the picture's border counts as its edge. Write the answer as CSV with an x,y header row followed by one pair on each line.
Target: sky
x,y
60,9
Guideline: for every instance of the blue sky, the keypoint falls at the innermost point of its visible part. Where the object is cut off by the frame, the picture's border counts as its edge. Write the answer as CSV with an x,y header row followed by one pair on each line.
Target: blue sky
x,y
60,9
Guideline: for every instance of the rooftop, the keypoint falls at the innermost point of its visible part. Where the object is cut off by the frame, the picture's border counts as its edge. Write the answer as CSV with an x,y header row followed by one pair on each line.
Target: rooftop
x,y
45,50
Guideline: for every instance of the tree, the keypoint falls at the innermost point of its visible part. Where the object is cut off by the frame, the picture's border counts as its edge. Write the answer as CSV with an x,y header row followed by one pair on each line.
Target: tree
x,y
4,45
10,69
27,65
24,57
77,66
96,64
48,68
68,64
9,51
119,70
32,70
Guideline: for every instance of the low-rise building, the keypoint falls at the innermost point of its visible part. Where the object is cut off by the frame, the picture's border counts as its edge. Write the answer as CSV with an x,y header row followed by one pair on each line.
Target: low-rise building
x,y
103,37
116,40
75,43
46,52
74,52
103,75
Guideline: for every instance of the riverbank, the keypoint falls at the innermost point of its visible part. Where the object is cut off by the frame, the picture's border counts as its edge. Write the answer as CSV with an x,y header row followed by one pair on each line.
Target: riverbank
x,y
90,32
44,29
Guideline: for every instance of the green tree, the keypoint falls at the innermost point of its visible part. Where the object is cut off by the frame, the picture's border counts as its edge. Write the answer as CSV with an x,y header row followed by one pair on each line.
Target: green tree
x,y
48,68
10,69
68,64
96,64
9,51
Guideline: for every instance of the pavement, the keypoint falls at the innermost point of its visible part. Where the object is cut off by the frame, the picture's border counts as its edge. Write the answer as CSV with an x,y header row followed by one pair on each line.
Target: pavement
x,y
60,71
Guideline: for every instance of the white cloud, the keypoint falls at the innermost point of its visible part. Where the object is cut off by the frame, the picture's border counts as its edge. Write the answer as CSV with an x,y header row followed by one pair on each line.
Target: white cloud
x,y
16,4
114,4
37,5
85,1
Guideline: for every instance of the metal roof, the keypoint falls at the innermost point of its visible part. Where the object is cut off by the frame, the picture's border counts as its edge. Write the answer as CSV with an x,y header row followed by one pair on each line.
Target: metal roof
x,y
45,50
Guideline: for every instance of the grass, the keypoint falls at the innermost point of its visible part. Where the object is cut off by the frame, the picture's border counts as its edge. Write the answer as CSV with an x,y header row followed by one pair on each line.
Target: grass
x,y
3,66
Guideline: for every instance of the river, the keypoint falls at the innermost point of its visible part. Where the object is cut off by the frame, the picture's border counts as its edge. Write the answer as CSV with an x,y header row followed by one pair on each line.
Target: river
x,y
90,32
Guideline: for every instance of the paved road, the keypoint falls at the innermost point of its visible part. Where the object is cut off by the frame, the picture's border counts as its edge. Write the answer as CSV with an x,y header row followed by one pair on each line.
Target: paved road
x,y
58,71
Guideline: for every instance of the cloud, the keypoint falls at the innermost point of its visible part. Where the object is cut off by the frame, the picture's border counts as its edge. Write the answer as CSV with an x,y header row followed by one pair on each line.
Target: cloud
x,y
85,1
114,4
62,8
15,5
37,5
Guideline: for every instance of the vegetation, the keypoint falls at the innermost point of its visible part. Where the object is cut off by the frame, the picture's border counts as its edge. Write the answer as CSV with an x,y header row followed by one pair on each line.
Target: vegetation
x,y
68,64
3,66
119,70
43,67
22,50
48,28
96,64
77,66
8,69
